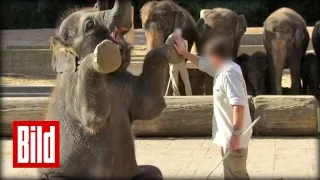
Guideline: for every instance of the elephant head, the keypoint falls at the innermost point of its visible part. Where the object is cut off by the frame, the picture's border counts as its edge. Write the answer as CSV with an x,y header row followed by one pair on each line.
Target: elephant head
x,y
219,22
255,71
160,19
82,31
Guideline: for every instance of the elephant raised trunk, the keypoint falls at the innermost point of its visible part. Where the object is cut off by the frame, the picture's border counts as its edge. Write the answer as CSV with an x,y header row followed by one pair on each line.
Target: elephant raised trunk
x,y
102,5
120,14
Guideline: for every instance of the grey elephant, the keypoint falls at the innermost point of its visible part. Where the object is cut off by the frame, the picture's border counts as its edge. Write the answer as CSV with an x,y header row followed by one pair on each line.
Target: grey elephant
x,y
310,75
159,20
286,39
316,39
255,72
96,99
104,4
219,22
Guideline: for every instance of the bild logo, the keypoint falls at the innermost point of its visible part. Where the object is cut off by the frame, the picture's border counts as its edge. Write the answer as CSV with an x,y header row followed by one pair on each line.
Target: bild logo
x,y
36,144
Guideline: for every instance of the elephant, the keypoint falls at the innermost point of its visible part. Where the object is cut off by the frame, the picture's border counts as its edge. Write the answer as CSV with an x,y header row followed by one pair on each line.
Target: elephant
x,y
316,39
179,69
285,39
286,91
242,58
96,99
310,75
255,73
162,18
219,22
104,4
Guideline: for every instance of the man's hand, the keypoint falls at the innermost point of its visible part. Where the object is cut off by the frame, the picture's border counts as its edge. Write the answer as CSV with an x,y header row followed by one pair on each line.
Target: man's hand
x,y
234,142
180,45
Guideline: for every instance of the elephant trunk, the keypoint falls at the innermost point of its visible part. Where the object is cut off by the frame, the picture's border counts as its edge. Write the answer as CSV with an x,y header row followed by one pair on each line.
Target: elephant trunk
x,y
102,5
121,12
279,55
155,38
119,17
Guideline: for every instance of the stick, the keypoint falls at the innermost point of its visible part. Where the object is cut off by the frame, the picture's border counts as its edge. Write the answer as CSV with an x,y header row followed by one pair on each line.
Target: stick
x,y
169,82
227,154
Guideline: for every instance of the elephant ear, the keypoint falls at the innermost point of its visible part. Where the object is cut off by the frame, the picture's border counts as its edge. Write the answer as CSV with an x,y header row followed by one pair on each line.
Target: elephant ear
x,y
202,27
298,35
64,59
241,25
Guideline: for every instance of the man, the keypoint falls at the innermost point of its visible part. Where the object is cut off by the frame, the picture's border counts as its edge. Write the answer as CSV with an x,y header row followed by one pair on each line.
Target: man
x,y
231,109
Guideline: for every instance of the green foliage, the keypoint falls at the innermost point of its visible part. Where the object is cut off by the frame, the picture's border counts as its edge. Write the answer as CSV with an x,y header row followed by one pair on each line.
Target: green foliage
x,y
24,14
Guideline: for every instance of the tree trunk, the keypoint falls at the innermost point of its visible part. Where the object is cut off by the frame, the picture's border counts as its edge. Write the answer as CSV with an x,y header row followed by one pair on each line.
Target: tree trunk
x,y
286,115
184,115
21,108
190,115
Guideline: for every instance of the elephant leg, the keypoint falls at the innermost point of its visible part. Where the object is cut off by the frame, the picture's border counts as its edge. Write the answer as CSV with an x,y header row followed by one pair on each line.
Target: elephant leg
x,y
294,65
271,70
174,75
185,78
149,172
208,84
304,87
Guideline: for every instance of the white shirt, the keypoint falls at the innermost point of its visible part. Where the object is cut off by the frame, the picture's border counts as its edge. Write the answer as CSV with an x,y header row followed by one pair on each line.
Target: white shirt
x,y
229,89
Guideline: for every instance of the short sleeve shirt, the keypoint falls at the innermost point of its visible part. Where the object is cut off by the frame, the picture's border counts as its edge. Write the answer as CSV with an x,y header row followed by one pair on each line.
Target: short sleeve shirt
x,y
229,89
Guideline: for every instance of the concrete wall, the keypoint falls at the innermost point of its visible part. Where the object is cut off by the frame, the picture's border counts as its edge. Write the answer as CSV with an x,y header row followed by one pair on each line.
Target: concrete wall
x,y
34,58
38,61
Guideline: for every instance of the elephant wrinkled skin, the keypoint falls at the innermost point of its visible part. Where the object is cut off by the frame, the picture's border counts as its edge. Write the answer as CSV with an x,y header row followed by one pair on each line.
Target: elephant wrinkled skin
x,y
96,98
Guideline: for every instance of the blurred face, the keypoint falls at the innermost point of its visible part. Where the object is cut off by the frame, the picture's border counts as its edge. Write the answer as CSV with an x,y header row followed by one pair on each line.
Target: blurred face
x,y
214,60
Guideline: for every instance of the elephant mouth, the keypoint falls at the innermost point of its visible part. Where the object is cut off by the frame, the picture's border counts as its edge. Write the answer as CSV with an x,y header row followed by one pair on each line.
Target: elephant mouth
x,y
118,35
125,48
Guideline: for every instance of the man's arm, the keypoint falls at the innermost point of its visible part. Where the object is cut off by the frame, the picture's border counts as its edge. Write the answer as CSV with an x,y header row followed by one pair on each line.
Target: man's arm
x,y
238,111
201,63
194,59
235,91
236,96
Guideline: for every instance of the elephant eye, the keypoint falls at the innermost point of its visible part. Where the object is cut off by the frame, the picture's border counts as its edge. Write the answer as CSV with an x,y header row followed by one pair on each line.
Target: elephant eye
x,y
89,26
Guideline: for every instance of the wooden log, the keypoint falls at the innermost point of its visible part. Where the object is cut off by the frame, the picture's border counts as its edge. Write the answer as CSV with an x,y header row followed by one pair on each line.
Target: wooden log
x,y
191,116
184,116
286,115
21,108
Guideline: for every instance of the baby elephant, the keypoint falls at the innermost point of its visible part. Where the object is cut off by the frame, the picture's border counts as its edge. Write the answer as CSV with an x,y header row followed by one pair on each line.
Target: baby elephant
x,y
255,72
310,75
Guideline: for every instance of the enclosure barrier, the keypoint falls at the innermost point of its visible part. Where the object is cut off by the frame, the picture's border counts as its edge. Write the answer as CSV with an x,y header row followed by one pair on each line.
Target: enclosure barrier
x,y
189,116
38,61
286,115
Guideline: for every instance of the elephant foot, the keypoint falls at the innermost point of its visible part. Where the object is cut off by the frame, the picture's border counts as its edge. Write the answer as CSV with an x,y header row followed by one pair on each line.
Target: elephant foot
x,y
107,57
149,172
172,55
